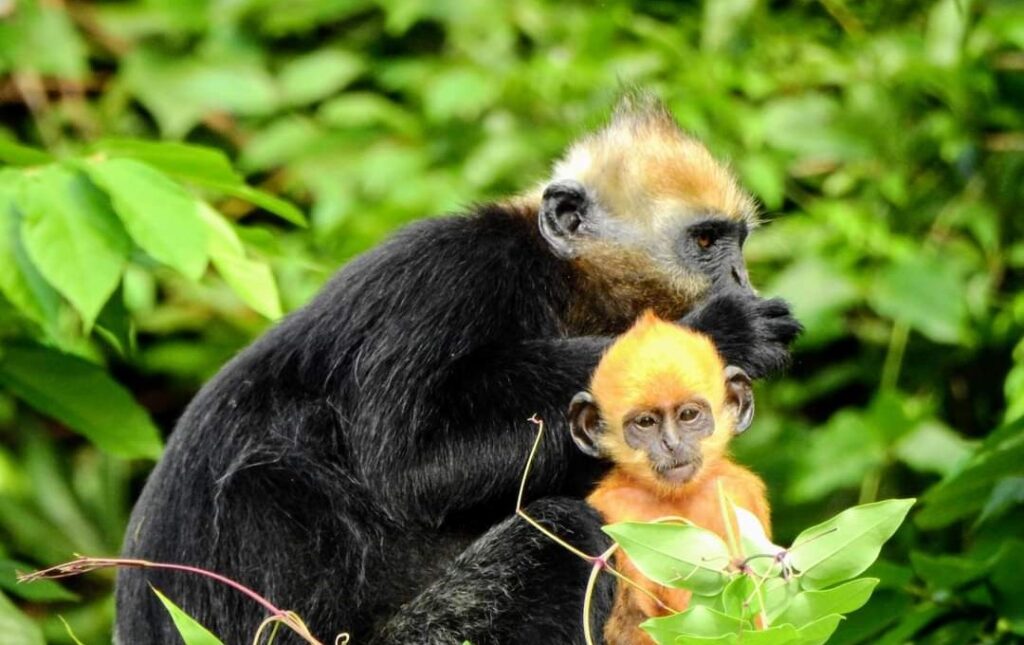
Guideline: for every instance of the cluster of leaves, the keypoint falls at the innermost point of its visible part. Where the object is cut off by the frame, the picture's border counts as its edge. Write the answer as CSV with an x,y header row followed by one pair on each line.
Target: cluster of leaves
x,y
73,231
884,139
749,590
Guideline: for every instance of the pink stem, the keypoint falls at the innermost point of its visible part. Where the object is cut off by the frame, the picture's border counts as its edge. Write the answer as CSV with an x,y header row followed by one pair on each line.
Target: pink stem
x,y
84,564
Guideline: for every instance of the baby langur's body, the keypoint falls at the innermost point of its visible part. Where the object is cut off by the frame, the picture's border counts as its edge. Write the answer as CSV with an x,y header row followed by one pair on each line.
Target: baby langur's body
x,y
662,407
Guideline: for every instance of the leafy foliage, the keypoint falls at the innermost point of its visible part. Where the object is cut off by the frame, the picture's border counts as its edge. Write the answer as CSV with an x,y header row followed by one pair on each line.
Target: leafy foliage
x,y
798,597
153,149
192,632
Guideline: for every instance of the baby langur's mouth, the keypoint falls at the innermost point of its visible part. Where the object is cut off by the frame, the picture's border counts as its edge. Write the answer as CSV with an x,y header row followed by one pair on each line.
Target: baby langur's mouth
x,y
679,472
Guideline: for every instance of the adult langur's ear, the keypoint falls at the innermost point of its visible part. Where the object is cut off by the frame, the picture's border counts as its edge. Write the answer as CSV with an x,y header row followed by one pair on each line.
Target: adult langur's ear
x,y
564,207
739,394
585,423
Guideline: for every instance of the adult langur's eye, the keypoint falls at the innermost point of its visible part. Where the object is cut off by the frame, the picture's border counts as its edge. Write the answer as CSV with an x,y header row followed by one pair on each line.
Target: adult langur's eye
x,y
689,414
704,240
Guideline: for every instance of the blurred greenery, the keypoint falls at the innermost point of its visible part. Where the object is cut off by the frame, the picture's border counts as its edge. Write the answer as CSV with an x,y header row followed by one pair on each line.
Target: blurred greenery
x,y
885,140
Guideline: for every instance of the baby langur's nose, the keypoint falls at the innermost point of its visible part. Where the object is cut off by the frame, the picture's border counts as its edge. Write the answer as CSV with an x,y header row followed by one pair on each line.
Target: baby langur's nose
x,y
674,443
670,438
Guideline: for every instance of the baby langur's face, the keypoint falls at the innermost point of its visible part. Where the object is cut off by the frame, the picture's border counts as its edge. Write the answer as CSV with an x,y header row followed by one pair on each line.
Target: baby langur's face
x,y
671,437
665,443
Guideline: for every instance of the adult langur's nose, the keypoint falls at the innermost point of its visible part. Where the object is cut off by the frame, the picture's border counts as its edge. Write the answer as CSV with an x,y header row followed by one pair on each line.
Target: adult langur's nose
x,y
739,274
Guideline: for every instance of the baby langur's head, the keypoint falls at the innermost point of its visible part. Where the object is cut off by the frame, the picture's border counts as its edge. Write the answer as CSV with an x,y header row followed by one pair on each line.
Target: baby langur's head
x,y
661,404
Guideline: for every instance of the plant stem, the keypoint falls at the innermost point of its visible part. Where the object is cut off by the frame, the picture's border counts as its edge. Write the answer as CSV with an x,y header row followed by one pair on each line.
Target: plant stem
x,y
727,520
599,563
86,564
522,489
589,558
869,485
894,355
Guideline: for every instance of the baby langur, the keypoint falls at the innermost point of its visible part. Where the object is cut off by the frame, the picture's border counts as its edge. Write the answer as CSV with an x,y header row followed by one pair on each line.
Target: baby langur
x,y
663,407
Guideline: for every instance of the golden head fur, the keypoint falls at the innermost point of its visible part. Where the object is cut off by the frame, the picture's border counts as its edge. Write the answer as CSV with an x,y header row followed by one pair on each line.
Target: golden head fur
x,y
647,179
657,364
642,166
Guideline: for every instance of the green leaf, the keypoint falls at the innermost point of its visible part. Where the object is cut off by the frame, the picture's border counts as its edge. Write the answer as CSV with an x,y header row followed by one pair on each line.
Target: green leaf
x,y
82,396
911,622
160,216
317,75
16,627
809,606
1009,433
933,448
722,20
944,40
810,126
844,546
766,177
52,491
695,621
1007,494
36,591
41,37
675,555
281,142
115,325
205,167
819,631
948,571
180,160
73,237
819,292
365,109
966,491
776,635
778,592
15,154
20,281
883,609
851,446
926,292
689,639
739,599
462,93
1007,585
300,18
191,631
181,90
251,280
890,574
283,209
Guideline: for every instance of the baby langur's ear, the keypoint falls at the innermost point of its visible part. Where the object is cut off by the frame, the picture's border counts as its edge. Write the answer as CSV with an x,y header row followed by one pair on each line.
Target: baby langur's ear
x,y
564,209
739,395
585,423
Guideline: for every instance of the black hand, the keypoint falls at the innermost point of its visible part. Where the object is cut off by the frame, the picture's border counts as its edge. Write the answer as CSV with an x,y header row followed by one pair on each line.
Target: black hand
x,y
750,332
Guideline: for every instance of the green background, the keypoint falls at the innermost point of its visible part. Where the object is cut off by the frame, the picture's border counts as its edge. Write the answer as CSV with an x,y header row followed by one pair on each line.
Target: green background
x,y
885,141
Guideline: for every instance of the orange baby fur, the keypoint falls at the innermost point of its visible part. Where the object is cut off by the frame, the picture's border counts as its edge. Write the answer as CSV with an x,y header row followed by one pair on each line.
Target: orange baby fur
x,y
655,365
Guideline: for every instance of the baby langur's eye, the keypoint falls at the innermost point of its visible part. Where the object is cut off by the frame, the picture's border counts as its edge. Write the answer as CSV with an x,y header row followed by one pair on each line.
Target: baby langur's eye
x,y
646,421
689,414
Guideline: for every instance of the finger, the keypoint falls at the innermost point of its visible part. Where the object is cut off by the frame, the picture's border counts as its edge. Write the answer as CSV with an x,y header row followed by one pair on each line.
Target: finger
x,y
773,308
784,329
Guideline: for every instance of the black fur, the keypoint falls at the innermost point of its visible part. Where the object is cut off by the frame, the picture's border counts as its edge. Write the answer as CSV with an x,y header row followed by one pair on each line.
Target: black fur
x,y
513,585
750,332
342,463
